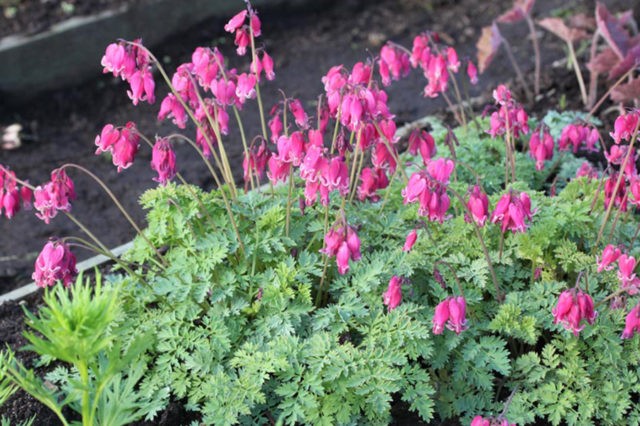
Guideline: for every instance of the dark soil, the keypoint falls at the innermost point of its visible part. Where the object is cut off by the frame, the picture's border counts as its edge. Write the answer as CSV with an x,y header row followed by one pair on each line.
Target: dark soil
x,y
34,16
60,126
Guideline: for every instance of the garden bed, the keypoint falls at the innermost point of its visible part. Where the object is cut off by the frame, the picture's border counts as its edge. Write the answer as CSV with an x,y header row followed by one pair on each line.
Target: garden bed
x,y
62,126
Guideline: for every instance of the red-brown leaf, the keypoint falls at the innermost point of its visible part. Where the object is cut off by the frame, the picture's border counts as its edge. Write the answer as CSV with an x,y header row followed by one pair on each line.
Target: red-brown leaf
x,y
612,29
559,28
488,45
626,92
518,11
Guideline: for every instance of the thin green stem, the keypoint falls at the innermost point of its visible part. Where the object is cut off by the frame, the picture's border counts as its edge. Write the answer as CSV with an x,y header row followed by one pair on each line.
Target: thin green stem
x,y
576,68
119,206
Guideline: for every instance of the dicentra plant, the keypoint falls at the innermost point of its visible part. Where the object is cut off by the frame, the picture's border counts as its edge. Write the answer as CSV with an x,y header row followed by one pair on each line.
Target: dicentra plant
x,y
485,273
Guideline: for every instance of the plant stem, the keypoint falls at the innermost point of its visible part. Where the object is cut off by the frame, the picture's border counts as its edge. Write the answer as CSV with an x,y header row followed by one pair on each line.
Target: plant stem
x,y
536,52
290,192
576,68
84,381
516,67
119,206
615,189
494,278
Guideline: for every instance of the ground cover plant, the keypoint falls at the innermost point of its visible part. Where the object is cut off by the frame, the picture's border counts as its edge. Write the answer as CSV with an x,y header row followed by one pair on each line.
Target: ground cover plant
x,y
486,273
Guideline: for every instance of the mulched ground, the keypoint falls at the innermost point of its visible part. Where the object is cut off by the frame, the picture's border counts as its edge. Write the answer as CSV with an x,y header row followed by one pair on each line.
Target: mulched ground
x,y
60,126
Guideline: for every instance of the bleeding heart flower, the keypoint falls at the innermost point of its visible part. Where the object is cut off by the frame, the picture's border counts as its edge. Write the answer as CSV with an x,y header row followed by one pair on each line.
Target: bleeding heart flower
x,y
55,263
393,296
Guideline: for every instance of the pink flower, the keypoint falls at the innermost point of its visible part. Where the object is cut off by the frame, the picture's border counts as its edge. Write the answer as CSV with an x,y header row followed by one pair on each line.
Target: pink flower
x,y
371,181
275,127
267,66
440,316
472,73
452,313
586,169
393,296
502,94
107,138
632,323
171,107
393,63
255,25
573,307
53,196
301,118
255,164
423,142
610,254
620,198
163,161
410,241
343,243
236,22
342,258
26,194
246,86
457,314
478,205
10,202
480,421
242,41
278,170
513,210
541,147
625,125
626,267
142,86
55,263
123,151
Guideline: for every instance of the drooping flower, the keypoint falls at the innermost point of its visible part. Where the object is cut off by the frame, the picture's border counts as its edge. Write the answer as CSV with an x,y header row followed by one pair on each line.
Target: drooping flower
x,y
632,323
371,181
626,274
393,296
124,150
410,241
300,116
490,421
478,205
267,66
107,138
541,147
131,62
55,195
587,170
451,313
610,254
163,161
572,308
256,162
55,263
422,142
472,73
343,243
393,63
578,135
625,125
513,210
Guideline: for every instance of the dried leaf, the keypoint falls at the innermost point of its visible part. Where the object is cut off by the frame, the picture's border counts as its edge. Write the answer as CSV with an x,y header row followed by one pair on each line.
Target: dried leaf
x,y
518,11
582,21
604,61
488,45
559,28
631,60
627,92
612,29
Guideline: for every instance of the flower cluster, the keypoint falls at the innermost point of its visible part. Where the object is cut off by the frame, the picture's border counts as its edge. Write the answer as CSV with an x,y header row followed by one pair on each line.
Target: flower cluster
x,y
55,263
342,242
541,146
512,211
510,117
55,195
393,63
422,142
573,307
577,135
123,144
429,188
626,267
436,62
130,62
12,195
451,313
